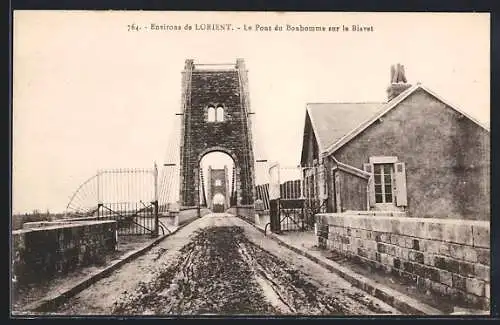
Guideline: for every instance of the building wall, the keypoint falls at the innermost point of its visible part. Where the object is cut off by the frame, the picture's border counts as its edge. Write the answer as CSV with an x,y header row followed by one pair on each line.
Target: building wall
x,y
352,192
231,136
450,258
447,157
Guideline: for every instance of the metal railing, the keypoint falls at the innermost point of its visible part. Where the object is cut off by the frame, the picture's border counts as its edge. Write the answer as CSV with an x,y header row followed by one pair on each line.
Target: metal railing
x,y
128,196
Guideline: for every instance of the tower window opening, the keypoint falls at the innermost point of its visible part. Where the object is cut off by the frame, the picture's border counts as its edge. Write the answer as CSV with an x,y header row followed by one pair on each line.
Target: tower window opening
x,y
211,114
220,114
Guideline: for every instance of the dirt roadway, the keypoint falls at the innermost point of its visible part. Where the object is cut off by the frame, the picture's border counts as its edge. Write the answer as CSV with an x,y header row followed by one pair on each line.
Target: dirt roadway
x,y
221,265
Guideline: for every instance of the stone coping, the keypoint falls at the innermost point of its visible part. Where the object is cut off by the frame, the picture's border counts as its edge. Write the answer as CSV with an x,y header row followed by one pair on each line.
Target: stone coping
x,y
465,222
184,208
375,213
50,225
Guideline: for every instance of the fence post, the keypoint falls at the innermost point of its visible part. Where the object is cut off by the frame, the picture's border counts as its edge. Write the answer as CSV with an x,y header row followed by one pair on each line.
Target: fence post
x,y
98,185
274,197
274,213
157,225
155,204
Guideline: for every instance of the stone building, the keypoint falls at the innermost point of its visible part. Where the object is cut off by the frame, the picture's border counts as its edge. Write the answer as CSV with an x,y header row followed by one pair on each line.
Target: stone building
x,y
416,154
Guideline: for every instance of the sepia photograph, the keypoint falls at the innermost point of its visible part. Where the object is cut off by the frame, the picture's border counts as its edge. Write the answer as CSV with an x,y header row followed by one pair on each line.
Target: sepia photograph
x,y
203,163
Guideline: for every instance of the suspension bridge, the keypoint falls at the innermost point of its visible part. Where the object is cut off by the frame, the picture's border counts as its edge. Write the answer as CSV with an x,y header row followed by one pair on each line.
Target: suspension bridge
x,y
215,116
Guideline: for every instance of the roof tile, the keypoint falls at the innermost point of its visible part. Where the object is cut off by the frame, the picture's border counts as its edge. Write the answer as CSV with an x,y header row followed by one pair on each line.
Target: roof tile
x,y
332,121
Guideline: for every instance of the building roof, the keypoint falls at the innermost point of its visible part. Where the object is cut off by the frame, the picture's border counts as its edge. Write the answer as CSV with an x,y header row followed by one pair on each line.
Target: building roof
x,y
332,121
335,124
384,109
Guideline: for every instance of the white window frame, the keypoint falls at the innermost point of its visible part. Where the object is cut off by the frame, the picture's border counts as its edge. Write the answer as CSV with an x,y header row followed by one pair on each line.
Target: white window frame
x,y
383,160
397,193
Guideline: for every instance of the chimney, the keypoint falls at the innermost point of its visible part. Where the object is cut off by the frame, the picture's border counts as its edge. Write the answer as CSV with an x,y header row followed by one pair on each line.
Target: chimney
x,y
398,81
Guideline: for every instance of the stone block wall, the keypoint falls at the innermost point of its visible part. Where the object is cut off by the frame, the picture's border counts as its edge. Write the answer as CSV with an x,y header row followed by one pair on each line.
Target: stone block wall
x,y
187,215
447,257
45,251
246,212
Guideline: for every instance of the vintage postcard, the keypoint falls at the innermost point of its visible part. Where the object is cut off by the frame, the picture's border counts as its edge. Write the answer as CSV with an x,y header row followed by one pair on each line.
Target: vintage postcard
x,y
250,163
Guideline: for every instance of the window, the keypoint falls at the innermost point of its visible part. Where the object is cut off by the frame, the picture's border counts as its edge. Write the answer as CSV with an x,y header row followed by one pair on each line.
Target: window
x,y
215,114
218,182
383,176
387,184
211,114
220,114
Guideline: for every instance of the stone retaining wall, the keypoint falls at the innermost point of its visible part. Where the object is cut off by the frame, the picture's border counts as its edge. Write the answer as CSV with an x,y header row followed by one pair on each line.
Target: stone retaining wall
x,y
447,257
246,212
47,249
189,214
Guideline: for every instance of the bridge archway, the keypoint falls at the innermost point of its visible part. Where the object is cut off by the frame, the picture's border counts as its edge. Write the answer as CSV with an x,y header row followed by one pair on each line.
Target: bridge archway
x,y
203,89
217,168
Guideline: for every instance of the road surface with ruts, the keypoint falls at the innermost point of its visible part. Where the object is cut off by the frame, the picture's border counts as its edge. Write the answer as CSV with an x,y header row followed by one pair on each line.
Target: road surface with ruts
x,y
220,264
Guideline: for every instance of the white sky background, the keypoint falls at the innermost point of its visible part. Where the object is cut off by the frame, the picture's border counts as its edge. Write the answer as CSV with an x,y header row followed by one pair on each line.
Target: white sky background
x,y
90,95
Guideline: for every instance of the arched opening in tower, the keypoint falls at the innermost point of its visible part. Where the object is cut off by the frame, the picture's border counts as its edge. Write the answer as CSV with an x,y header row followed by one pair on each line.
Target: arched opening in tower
x,y
218,203
218,184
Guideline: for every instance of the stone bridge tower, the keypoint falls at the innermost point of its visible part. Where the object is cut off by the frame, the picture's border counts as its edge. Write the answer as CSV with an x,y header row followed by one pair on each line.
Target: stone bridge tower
x,y
218,182
216,110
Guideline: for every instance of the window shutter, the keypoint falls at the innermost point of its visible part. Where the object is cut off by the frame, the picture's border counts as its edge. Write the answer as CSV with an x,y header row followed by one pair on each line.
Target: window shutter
x,y
338,201
400,178
371,185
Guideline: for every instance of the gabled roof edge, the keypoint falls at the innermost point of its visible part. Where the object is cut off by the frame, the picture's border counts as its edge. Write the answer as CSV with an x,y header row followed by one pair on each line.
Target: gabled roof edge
x,y
349,136
304,134
456,108
316,134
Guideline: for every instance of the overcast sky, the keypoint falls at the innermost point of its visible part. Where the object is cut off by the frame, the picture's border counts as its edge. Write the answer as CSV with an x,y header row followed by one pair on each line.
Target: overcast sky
x,y
88,94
